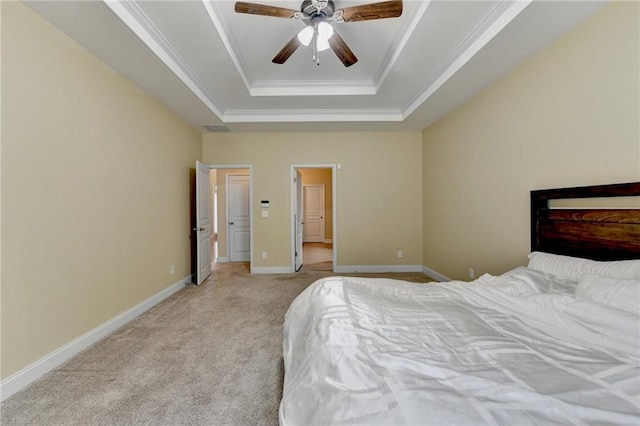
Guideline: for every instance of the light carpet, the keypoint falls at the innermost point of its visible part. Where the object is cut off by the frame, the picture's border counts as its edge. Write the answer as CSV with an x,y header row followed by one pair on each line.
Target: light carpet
x,y
208,355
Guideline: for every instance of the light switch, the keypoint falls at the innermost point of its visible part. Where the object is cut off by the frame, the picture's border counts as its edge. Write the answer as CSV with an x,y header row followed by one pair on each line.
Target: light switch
x,y
265,213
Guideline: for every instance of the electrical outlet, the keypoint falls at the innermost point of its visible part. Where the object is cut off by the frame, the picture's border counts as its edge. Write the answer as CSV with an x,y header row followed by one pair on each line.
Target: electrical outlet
x,y
264,254
400,254
472,273
172,269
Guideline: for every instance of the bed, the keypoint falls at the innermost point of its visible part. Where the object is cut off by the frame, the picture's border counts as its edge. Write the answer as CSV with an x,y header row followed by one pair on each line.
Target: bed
x,y
555,342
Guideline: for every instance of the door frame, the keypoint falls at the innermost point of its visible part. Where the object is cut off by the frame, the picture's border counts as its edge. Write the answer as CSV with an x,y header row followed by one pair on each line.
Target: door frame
x,y
334,209
298,237
249,167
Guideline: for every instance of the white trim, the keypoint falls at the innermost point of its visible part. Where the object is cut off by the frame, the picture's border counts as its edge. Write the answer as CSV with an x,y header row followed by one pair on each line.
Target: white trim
x,y
435,275
313,88
377,268
328,241
311,115
334,200
222,259
33,372
292,214
272,270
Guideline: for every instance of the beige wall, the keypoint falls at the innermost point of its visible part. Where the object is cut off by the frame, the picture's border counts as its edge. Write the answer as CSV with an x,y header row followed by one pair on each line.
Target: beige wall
x,y
95,187
378,213
569,116
322,177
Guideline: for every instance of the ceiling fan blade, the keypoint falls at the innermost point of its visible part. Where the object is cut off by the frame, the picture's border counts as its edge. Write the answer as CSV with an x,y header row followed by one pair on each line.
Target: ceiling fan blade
x,y
286,51
261,9
365,12
341,50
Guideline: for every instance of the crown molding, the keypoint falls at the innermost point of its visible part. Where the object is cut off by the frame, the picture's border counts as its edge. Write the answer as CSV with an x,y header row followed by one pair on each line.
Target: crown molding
x,y
313,88
135,18
399,43
215,14
310,115
493,22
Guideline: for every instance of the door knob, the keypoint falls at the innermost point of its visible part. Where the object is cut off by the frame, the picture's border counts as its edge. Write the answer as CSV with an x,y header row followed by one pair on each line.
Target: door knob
x,y
230,223
202,229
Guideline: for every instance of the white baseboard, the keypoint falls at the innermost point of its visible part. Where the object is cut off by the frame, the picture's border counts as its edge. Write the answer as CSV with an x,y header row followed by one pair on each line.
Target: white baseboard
x,y
328,241
377,268
435,275
33,372
223,259
271,270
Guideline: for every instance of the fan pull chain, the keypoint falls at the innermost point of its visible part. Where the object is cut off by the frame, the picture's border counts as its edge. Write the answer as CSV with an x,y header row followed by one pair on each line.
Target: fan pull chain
x,y
314,41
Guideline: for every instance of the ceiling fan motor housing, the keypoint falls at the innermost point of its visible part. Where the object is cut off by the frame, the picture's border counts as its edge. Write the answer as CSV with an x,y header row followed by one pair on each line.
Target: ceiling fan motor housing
x,y
308,7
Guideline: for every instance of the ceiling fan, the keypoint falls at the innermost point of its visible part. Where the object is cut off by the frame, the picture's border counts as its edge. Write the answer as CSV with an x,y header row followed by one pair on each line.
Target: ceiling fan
x,y
317,15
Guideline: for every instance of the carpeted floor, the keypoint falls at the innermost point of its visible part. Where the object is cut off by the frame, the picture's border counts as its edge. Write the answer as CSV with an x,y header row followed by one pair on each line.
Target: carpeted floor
x,y
208,355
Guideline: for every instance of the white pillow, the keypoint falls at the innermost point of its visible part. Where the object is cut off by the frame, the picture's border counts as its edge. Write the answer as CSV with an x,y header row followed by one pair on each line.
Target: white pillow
x,y
544,283
621,294
575,267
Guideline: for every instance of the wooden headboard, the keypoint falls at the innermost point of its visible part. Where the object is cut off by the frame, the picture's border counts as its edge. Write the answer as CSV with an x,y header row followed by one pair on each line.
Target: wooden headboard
x,y
598,234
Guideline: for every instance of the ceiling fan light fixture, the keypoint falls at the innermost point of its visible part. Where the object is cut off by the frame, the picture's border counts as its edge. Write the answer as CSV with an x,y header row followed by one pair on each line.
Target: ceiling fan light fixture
x,y
323,44
325,30
305,36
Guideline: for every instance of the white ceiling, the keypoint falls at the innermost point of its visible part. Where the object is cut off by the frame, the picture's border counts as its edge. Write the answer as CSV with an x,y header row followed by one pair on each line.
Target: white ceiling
x,y
213,66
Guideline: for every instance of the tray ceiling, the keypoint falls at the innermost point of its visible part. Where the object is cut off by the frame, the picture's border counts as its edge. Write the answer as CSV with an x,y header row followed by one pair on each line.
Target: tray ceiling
x,y
213,66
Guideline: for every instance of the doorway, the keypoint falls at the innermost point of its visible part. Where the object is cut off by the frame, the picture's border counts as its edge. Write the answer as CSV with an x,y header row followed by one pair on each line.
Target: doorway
x,y
233,201
238,217
313,191
224,182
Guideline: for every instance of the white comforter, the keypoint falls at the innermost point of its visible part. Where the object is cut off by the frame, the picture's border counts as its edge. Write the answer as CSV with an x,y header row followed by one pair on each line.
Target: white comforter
x,y
496,351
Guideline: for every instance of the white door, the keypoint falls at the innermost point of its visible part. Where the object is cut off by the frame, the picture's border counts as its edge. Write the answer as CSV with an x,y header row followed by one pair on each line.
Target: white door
x,y
238,218
299,220
313,213
203,223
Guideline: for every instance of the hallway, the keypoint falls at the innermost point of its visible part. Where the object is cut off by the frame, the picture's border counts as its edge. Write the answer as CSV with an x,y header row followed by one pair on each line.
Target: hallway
x,y
317,257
